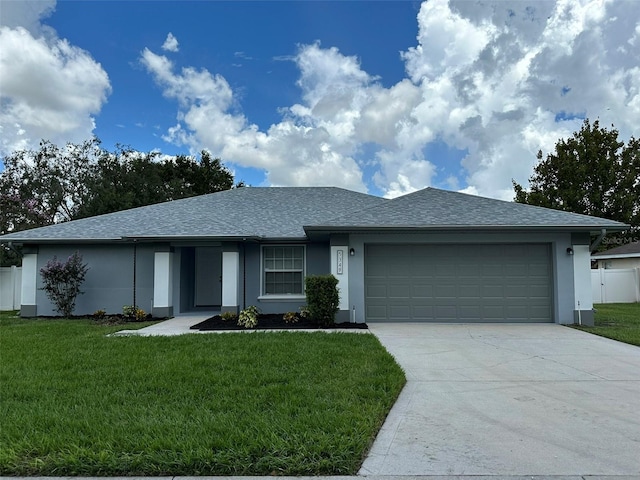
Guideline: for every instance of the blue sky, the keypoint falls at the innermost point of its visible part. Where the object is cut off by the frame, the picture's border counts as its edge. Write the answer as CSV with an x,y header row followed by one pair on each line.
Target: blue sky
x,y
383,97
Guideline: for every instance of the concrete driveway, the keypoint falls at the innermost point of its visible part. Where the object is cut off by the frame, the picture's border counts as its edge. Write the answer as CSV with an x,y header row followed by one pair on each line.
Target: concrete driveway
x,y
509,400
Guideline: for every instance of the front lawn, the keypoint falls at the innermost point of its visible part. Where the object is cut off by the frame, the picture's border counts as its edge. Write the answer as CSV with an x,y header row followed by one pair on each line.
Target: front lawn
x,y
75,402
619,321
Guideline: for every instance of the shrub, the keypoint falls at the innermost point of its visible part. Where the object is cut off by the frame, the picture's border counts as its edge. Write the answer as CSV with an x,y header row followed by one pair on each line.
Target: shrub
x,y
99,314
134,313
322,298
62,281
304,311
248,317
290,317
229,316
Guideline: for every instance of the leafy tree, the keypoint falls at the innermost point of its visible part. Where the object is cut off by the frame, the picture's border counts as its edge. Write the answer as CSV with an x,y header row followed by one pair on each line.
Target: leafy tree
x,y
44,186
593,173
62,281
128,179
55,184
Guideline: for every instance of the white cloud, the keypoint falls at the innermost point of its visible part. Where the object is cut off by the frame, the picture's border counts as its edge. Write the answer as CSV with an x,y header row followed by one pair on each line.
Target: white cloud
x,y
494,76
497,80
26,14
297,151
170,44
50,88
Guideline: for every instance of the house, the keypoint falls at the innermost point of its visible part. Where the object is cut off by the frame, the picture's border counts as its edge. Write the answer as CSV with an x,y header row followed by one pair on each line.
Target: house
x,y
429,256
624,256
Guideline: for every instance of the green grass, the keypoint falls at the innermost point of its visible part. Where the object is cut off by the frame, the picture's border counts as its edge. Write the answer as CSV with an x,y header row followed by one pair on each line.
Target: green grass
x,y
619,321
75,402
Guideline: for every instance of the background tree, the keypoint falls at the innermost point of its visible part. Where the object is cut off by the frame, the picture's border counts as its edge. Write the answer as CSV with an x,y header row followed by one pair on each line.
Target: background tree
x,y
56,184
127,179
593,173
41,187
44,186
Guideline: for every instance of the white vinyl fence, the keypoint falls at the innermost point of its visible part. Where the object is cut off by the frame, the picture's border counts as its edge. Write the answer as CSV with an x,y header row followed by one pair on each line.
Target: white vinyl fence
x,y
10,288
615,285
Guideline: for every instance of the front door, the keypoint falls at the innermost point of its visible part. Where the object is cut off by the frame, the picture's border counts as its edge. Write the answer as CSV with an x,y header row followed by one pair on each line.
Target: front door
x,y
208,287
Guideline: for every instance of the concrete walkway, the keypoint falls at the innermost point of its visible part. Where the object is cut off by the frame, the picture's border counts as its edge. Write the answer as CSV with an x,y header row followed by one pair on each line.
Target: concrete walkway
x,y
179,325
511,400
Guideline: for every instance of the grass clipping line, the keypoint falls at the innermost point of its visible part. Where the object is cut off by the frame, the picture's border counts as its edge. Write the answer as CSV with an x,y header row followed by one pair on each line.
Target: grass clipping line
x,y
75,402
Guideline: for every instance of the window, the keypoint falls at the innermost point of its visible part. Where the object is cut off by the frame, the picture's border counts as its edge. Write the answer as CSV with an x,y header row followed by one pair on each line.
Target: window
x,y
283,270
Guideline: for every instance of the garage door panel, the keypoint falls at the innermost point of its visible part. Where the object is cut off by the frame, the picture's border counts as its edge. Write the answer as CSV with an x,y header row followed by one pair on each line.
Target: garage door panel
x,y
458,283
420,312
493,291
421,290
446,291
470,291
446,312
400,312
399,291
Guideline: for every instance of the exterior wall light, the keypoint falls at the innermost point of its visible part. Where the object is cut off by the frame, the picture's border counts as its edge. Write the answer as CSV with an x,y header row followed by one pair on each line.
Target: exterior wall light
x,y
569,251
352,252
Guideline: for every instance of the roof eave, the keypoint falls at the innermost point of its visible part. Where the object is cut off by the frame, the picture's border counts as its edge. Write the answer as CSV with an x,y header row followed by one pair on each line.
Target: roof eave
x,y
595,229
153,239
614,256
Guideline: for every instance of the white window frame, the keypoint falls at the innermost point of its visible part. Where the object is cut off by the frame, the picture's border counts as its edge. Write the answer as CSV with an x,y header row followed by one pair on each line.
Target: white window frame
x,y
263,271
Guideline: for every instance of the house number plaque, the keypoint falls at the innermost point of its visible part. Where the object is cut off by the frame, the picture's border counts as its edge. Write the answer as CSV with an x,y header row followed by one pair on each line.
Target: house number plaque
x,y
339,260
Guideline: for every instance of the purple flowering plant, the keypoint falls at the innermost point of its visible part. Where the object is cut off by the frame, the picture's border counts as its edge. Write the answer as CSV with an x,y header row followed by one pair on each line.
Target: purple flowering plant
x,y
62,281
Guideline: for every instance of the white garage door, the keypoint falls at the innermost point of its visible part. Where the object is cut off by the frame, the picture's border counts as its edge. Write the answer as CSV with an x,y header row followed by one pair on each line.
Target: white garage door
x,y
458,283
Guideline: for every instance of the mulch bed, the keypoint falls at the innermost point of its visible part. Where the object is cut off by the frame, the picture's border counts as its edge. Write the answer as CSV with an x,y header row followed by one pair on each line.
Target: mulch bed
x,y
270,322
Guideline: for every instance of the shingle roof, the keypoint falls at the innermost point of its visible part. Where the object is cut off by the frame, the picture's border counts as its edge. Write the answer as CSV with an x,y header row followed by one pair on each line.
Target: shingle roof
x,y
434,208
243,212
289,212
629,249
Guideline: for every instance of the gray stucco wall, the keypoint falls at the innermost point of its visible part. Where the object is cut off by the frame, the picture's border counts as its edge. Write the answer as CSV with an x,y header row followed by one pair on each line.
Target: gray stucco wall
x,y
109,282
317,263
562,264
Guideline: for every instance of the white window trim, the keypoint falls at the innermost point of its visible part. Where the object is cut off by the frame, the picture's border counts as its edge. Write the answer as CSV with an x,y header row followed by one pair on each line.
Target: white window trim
x,y
282,296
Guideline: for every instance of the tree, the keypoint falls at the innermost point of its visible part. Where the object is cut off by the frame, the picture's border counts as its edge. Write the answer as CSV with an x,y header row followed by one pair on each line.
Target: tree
x,y
592,173
44,186
55,184
62,281
127,179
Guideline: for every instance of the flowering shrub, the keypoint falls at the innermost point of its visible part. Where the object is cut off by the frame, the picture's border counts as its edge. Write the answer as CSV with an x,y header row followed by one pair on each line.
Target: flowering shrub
x,y
133,312
290,317
62,281
248,317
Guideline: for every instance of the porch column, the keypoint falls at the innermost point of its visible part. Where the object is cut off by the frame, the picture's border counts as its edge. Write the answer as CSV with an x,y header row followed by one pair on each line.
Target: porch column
x,y
162,284
340,270
583,295
28,305
230,277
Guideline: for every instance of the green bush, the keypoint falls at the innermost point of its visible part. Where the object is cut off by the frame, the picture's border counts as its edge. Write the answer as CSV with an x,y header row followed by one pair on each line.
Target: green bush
x,y
229,316
248,317
133,313
322,298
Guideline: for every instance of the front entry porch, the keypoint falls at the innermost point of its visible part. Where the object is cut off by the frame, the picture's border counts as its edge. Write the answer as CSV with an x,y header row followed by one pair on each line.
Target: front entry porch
x,y
196,278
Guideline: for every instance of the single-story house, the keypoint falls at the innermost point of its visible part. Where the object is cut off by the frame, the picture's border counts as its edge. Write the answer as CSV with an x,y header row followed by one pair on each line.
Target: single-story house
x,y
429,256
623,256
